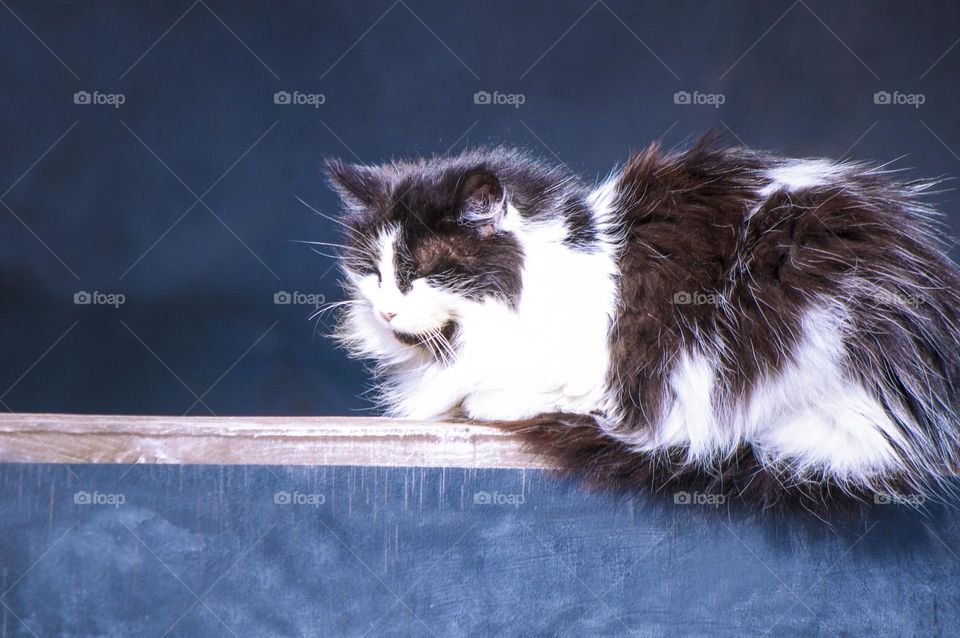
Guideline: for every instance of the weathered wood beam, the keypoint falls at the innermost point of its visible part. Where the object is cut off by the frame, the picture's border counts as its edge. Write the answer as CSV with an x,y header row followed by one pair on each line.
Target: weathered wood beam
x,y
82,438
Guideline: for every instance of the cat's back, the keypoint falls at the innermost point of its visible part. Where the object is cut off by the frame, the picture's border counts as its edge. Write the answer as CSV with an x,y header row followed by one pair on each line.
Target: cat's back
x,y
707,219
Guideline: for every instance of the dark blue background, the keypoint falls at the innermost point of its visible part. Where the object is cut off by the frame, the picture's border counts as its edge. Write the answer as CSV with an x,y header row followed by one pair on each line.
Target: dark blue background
x,y
102,199
92,190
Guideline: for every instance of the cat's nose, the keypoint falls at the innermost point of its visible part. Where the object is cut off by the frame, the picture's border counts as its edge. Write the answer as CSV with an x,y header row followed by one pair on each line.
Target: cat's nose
x,y
388,316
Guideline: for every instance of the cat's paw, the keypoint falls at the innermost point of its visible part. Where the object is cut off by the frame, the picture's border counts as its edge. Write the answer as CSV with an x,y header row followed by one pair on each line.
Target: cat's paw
x,y
502,406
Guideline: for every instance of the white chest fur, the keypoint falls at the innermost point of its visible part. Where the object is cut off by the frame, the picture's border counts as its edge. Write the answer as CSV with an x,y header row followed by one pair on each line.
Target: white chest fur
x,y
549,354
552,353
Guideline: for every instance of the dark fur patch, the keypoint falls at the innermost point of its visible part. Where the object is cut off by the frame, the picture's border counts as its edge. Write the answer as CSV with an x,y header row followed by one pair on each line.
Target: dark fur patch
x,y
683,219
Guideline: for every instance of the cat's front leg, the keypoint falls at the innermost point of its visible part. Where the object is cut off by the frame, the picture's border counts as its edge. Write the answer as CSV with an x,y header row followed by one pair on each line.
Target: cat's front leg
x,y
433,397
507,404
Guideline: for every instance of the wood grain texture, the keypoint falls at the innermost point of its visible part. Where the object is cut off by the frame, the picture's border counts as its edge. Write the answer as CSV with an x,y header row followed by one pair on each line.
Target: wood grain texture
x,y
80,438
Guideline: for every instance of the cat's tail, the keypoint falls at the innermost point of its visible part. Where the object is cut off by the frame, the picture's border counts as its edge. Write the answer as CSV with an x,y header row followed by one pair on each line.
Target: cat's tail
x,y
581,449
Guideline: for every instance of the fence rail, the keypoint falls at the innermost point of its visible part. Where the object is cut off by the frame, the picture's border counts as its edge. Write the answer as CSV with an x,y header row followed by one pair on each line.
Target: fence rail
x,y
82,438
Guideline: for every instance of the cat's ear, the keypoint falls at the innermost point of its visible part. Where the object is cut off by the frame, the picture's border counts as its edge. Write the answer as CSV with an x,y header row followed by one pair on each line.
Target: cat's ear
x,y
481,202
359,187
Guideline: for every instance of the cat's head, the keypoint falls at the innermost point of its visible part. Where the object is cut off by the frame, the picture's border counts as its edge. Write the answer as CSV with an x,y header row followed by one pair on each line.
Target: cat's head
x,y
429,240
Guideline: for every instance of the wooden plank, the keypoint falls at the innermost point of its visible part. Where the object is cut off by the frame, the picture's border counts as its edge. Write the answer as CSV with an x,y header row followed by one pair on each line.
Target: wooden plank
x,y
82,438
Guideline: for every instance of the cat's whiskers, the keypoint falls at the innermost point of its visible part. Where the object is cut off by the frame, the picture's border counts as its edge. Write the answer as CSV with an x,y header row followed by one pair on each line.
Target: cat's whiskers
x,y
323,254
349,253
445,344
442,348
318,313
431,339
336,304
325,243
327,217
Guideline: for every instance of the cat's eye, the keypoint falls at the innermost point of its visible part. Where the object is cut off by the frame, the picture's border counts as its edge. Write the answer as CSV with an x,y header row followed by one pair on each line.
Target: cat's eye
x,y
365,270
443,273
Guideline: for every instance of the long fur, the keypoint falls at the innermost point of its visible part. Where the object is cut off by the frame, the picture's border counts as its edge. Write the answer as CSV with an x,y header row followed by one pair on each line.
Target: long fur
x,y
770,328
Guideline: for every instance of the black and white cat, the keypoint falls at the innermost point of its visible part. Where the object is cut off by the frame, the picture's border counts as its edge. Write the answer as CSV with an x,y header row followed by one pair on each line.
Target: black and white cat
x,y
715,317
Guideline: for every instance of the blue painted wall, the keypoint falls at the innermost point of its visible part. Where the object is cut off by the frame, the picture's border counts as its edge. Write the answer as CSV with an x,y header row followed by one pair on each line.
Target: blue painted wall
x,y
415,552
105,199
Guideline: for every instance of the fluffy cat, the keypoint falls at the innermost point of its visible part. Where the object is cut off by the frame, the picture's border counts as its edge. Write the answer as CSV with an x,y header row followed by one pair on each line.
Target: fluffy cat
x,y
716,318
